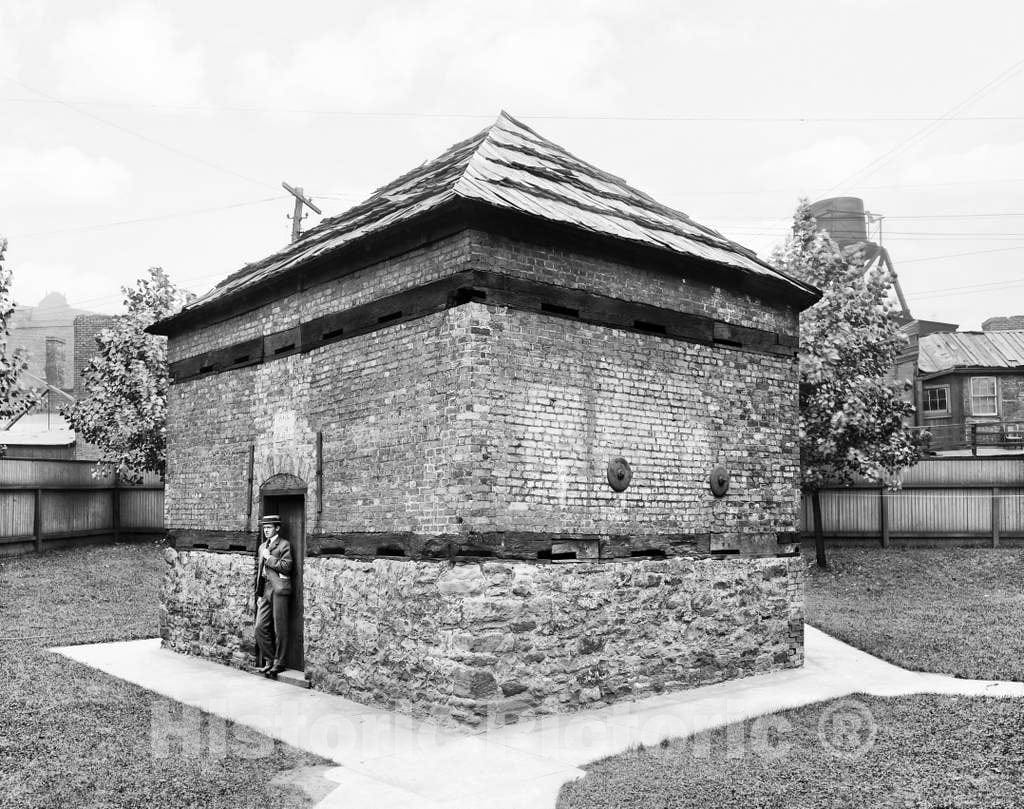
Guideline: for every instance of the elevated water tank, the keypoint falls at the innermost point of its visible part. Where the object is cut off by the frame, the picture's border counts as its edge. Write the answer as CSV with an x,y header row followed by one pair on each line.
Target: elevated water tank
x,y
842,218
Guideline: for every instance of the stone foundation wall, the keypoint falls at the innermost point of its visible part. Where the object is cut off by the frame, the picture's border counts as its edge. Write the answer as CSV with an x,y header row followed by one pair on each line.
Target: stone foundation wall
x,y
498,640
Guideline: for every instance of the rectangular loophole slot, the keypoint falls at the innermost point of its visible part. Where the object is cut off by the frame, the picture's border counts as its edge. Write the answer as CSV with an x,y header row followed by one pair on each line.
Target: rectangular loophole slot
x,y
649,327
555,556
236,547
330,335
562,311
284,348
332,550
477,552
390,550
203,545
467,295
721,341
389,317
240,359
652,553
205,369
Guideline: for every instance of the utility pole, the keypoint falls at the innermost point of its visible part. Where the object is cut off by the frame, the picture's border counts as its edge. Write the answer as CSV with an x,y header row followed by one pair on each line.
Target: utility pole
x,y
297,216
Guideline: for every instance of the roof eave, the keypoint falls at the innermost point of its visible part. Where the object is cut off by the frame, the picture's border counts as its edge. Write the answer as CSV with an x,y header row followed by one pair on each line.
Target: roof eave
x,y
459,214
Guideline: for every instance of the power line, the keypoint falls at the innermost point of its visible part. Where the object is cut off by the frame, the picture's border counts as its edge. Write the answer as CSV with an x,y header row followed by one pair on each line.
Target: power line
x,y
957,255
146,138
887,216
157,218
940,292
921,134
896,186
692,118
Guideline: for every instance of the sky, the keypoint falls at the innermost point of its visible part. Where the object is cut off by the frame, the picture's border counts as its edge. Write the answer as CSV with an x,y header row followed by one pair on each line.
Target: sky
x,y
138,134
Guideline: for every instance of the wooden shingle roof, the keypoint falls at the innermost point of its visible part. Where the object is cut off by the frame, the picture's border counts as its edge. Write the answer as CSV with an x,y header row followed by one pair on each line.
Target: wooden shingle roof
x,y
509,166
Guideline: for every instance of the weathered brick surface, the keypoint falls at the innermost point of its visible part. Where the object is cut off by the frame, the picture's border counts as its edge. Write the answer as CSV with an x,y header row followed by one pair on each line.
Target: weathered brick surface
x,y
415,268
473,249
386,403
87,329
486,418
630,283
479,642
553,400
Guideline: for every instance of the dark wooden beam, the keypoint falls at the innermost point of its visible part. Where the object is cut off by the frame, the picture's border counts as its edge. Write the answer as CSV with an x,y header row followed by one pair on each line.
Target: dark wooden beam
x,y
492,289
524,546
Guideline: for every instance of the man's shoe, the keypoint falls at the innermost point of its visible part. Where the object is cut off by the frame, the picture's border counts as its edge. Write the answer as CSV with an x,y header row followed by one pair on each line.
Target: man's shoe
x,y
265,667
274,669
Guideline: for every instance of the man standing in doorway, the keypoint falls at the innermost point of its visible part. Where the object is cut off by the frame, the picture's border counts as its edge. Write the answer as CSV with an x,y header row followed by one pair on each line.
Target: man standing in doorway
x,y
273,589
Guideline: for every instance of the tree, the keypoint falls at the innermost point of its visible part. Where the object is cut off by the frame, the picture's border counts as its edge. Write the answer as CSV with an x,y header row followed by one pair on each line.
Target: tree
x,y
124,412
851,413
15,399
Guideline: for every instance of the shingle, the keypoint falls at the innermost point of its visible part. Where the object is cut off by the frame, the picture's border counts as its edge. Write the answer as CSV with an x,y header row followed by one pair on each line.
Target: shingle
x,y
509,166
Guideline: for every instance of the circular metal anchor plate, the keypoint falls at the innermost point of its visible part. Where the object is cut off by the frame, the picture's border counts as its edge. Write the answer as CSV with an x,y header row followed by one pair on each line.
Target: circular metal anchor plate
x,y
719,481
619,474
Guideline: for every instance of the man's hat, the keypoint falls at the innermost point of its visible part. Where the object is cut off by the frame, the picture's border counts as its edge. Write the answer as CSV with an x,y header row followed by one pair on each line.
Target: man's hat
x,y
270,519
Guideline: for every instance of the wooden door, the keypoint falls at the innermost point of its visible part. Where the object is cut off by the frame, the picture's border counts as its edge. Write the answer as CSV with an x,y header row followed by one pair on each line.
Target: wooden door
x,y
292,510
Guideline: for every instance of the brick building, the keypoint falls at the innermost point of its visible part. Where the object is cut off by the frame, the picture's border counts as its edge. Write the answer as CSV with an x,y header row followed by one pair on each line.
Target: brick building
x,y
46,332
497,405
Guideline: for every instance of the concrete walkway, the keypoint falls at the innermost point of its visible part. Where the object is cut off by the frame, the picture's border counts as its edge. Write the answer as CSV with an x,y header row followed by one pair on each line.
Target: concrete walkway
x,y
389,760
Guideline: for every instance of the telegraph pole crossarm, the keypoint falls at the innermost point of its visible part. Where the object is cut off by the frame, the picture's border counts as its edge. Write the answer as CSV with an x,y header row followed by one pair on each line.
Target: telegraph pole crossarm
x,y
297,216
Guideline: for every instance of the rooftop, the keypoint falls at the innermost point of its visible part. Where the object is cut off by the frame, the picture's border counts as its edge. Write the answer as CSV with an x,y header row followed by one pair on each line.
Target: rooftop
x,y
509,166
945,351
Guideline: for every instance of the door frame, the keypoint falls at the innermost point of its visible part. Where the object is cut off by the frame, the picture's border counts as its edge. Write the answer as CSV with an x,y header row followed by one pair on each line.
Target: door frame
x,y
268,492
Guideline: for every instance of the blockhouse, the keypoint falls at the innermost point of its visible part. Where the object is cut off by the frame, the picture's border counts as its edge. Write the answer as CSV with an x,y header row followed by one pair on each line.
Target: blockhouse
x,y
531,433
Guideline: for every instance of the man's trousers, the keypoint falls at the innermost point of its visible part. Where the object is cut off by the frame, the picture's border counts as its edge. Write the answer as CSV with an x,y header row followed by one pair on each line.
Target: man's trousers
x,y
272,626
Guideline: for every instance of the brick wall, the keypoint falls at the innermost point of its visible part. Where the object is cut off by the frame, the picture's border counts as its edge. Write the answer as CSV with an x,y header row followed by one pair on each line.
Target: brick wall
x,y
415,268
472,249
490,419
86,329
631,283
386,403
495,641
1010,323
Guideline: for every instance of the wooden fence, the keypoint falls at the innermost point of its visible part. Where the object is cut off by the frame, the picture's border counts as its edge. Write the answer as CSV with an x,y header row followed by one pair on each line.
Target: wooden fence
x,y
978,499
52,503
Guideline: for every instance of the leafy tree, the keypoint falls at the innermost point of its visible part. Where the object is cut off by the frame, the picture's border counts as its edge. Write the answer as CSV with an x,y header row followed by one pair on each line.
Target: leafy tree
x,y
124,412
14,398
851,413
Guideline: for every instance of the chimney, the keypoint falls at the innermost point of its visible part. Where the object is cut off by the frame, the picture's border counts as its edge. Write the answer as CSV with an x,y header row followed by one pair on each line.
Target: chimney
x,y
55,362
1005,323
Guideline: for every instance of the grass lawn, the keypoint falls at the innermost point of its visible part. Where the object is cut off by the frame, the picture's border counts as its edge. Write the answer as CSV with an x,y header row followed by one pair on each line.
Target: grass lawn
x,y
957,611
929,751
73,737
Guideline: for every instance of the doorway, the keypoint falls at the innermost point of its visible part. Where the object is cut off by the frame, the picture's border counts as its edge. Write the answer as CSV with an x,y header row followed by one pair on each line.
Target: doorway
x,y
291,507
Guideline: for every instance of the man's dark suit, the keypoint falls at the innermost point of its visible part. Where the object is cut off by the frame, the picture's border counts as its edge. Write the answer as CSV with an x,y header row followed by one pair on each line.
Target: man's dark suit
x,y
273,589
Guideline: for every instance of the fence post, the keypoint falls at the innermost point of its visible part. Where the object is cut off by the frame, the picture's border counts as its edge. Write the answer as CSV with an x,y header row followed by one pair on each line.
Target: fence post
x,y
883,517
996,512
37,522
115,511
974,439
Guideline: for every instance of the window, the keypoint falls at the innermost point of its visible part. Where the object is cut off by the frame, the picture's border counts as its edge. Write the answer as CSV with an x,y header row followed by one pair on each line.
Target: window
x,y
983,396
936,401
